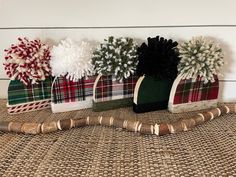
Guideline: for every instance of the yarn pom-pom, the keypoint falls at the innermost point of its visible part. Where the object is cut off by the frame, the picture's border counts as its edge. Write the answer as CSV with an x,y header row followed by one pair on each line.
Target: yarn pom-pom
x,y
72,59
27,61
159,58
200,57
116,56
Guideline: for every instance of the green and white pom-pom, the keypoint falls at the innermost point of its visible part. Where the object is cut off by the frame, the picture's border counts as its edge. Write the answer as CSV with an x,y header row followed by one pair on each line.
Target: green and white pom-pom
x,y
116,56
200,57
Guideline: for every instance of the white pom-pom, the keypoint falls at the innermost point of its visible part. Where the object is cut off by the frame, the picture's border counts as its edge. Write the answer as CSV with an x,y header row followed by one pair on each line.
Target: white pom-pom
x,y
72,59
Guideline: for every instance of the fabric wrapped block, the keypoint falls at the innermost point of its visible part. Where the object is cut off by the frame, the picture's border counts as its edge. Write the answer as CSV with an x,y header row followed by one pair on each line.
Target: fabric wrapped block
x,y
108,93
193,94
24,98
68,95
151,93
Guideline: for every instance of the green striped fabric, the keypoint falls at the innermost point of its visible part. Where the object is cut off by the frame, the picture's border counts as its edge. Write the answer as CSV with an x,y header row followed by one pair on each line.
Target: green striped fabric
x,y
19,93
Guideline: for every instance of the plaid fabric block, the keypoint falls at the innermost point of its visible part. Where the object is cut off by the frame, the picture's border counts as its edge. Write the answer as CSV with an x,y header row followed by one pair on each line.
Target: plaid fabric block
x,y
65,91
189,90
18,93
107,88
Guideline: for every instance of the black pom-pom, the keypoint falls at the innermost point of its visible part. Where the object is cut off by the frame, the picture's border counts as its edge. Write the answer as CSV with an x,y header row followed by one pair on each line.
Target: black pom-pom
x,y
159,57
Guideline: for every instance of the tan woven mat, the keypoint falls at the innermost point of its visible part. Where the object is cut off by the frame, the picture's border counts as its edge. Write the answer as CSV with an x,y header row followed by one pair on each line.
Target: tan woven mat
x,y
207,150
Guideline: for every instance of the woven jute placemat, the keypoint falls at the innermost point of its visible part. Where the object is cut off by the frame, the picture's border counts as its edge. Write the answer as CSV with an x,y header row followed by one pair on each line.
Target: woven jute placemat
x,y
207,150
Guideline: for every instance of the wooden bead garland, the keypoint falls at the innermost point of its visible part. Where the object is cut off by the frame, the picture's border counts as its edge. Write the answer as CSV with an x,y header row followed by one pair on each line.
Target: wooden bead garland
x,y
130,125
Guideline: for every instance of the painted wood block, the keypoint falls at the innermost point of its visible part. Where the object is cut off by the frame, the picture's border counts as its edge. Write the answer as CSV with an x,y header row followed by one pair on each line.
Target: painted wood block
x,y
69,95
109,93
151,94
193,94
24,98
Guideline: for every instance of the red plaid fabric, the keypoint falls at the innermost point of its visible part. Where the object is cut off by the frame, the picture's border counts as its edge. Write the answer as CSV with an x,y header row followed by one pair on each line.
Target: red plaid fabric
x,y
64,90
108,88
193,91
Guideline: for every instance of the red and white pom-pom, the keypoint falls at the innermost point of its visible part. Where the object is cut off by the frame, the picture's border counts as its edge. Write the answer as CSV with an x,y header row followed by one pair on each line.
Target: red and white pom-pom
x,y
28,61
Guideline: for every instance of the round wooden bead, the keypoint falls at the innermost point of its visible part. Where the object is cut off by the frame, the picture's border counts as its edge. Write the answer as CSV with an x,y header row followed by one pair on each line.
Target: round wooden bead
x,y
65,124
224,109
94,121
232,108
132,125
216,112
199,119
118,123
79,122
31,128
188,124
146,129
15,127
163,129
4,126
176,127
48,127
207,116
107,121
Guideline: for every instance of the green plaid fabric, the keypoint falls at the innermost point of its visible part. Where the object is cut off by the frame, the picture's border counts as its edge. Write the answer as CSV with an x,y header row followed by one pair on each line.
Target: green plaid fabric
x,y
19,93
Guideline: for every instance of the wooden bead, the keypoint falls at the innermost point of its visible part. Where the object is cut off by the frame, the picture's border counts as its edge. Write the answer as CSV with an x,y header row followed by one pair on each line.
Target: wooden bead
x,y
15,127
163,129
31,128
216,112
118,123
107,121
232,108
207,116
65,124
93,121
48,127
4,126
146,129
176,127
79,122
132,125
199,119
188,124
224,109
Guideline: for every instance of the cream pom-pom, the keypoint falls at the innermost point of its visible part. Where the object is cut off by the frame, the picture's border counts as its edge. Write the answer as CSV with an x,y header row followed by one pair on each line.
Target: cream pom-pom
x,y
72,59
200,57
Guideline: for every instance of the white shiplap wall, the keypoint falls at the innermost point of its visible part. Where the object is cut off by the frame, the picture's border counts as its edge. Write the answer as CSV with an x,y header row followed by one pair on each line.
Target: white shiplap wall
x,y
179,20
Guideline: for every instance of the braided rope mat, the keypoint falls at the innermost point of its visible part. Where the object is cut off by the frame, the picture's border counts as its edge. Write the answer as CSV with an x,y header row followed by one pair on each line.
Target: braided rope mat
x,y
207,150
